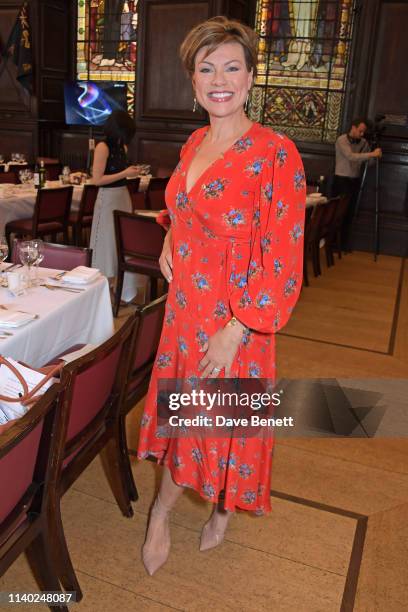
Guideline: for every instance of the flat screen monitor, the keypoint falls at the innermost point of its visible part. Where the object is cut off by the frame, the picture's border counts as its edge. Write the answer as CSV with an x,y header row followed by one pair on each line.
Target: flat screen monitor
x,y
91,103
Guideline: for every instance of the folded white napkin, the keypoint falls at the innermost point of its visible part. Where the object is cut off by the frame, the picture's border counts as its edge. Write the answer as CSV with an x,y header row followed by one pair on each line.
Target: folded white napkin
x,y
81,275
15,318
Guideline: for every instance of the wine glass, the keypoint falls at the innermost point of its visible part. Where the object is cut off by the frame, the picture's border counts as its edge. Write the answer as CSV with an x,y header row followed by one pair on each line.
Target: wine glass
x,y
28,255
39,246
4,250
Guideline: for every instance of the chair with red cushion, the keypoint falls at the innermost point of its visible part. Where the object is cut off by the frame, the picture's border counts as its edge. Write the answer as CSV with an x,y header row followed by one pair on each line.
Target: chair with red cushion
x,y
133,185
8,177
139,243
138,201
93,387
155,193
59,256
82,218
146,337
28,464
51,215
156,199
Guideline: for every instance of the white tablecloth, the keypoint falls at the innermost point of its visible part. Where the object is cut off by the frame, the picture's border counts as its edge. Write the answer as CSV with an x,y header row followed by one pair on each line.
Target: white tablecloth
x,y
9,165
64,319
17,201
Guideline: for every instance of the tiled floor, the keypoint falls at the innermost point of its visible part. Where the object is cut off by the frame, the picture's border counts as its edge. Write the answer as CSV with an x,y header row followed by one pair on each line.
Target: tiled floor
x,y
305,556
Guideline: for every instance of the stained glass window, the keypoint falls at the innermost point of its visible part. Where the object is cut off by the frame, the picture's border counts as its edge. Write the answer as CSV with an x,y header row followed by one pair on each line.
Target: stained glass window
x,y
303,56
107,42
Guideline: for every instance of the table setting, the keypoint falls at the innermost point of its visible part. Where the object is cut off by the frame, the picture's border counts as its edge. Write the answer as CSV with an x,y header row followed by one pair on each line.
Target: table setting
x,y
16,159
45,311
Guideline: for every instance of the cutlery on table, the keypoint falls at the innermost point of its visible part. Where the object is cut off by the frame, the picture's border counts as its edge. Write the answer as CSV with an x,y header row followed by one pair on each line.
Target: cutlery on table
x,y
59,275
13,267
57,287
35,316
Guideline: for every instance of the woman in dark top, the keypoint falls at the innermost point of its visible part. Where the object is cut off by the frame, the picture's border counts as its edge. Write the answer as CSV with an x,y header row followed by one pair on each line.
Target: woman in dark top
x,y
110,171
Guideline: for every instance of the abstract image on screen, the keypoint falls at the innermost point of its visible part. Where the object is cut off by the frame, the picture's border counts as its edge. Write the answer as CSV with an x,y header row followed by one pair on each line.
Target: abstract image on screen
x,y
90,103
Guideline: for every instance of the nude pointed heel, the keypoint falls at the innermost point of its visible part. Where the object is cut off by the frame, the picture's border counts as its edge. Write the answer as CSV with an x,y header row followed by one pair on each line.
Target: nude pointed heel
x,y
153,558
210,538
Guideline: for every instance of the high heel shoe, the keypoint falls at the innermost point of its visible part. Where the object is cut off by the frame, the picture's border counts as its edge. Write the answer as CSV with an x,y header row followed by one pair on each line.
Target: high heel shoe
x,y
155,556
210,535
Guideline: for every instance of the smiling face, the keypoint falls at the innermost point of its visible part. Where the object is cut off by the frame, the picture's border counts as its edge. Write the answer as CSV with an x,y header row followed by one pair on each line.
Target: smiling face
x,y
221,80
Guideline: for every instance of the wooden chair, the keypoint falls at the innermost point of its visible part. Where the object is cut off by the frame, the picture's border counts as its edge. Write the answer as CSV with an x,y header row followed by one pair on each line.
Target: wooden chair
x,y
92,390
333,241
155,193
81,219
28,465
133,189
8,177
311,241
156,200
138,201
51,215
59,256
325,228
146,337
306,243
139,242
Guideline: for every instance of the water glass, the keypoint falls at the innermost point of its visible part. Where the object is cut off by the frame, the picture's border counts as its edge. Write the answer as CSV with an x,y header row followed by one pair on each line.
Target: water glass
x,y
28,256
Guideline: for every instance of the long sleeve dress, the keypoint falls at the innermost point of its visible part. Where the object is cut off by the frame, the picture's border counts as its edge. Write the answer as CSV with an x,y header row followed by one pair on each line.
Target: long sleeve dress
x,y
237,250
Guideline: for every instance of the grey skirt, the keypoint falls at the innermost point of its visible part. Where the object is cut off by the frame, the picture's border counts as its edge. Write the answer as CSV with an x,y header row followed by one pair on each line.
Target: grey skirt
x,y
102,242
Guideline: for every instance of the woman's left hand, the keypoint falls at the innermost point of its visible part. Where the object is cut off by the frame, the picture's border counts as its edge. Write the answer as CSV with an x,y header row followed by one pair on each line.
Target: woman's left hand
x,y
220,351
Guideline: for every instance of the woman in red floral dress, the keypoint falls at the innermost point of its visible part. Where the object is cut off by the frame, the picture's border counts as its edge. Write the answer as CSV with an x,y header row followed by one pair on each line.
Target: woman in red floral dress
x,y
233,258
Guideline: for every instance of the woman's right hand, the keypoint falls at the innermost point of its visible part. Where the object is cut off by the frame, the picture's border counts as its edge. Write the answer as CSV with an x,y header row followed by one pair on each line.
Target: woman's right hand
x,y
131,172
166,258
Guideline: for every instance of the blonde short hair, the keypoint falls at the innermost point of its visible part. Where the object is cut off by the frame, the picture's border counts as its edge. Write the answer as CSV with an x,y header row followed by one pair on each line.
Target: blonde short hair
x,y
215,32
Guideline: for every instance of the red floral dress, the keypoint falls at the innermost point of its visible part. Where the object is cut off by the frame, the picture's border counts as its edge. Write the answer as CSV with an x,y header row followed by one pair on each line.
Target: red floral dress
x,y
237,250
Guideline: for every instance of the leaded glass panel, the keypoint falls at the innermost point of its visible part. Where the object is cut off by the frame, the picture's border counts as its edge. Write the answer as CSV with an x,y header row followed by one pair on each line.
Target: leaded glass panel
x,y
107,42
302,66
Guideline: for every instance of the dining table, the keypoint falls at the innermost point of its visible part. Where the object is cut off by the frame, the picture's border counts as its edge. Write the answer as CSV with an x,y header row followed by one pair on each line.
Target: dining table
x,y
18,201
64,315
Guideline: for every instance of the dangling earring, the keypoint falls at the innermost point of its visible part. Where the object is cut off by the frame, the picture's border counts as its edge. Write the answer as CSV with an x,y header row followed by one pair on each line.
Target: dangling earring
x,y
195,105
246,105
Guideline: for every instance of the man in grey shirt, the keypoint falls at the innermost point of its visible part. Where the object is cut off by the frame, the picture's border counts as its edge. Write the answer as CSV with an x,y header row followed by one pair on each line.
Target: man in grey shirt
x,y
352,149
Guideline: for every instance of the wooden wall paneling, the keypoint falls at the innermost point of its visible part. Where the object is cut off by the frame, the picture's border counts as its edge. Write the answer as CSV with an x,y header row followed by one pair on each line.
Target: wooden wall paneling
x,y
18,139
53,21
381,88
160,150
164,91
388,92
